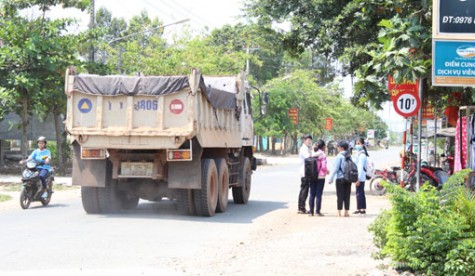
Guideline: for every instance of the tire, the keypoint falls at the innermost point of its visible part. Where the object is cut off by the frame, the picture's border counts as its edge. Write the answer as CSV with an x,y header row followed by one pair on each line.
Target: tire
x,y
90,200
25,198
46,201
206,199
128,201
242,192
375,186
424,179
185,202
223,185
109,200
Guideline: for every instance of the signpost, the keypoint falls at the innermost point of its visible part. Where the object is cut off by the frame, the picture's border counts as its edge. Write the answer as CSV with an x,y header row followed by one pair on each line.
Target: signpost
x,y
453,19
405,97
328,123
407,104
294,115
453,63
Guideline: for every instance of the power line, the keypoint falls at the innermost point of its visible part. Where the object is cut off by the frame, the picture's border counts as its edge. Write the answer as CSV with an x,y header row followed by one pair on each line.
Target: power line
x,y
186,14
192,13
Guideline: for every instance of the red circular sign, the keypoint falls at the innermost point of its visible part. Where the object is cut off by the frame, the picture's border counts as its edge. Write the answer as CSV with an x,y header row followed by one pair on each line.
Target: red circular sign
x,y
407,104
176,106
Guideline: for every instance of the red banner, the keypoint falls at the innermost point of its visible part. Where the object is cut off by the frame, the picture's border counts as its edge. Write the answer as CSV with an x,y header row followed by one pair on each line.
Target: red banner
x,y
427,110
405,87
294,115
328,123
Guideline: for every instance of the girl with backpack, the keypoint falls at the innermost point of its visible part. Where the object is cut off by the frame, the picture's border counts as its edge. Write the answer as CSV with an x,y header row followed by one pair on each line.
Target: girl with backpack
x,y
361,160
317,185
343,186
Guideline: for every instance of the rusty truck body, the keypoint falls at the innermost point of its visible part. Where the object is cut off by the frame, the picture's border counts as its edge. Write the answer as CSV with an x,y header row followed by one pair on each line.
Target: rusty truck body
x,y
186,138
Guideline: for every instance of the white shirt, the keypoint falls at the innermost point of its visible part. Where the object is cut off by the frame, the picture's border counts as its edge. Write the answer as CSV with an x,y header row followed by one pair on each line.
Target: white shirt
x,y
304,152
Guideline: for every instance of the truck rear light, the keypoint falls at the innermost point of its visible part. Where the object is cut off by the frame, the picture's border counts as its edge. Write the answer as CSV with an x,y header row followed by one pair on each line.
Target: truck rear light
x,y
179,155
93,154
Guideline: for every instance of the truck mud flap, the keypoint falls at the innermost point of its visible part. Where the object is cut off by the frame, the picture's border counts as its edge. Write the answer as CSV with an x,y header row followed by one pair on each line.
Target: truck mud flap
x,y
89,173
186,174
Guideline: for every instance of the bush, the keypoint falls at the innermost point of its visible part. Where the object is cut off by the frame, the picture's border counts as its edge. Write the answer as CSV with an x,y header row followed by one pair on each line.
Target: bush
x,y
431,232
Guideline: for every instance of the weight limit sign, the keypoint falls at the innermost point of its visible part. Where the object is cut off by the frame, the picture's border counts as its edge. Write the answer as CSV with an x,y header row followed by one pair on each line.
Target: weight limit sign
x,y
407,104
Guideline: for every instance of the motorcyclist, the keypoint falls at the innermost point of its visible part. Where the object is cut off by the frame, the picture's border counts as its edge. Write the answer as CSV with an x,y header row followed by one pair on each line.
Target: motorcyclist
x,y
43,156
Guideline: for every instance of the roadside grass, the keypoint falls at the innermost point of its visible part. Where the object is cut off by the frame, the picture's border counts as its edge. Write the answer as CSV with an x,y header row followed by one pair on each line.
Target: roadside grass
x,y
16,187
4,197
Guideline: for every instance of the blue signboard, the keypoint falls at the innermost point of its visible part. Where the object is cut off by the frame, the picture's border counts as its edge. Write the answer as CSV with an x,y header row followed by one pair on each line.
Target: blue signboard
x,y
453,63
84,105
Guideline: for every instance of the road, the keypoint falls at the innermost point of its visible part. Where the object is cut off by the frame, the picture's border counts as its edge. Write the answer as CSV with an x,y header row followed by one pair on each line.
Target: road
x,y
264,237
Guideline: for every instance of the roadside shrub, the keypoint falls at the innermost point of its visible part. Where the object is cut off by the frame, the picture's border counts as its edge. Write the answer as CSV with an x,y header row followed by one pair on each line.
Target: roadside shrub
x,y
432,231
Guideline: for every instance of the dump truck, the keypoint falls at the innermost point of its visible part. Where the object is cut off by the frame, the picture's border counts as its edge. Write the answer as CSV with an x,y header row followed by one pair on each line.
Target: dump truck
x,y
184,138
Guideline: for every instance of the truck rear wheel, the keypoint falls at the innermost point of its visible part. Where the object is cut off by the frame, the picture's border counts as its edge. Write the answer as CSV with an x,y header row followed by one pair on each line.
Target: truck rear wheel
x,y
90,201
109,200
128,201
206,199
223,185
241,193
185,201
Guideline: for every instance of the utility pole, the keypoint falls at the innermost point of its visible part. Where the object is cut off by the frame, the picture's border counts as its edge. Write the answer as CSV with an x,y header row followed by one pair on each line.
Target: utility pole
x,y
248,51
92,25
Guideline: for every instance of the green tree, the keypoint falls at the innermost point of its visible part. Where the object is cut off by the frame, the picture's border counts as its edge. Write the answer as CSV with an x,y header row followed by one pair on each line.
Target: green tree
x,y
33,57
373,38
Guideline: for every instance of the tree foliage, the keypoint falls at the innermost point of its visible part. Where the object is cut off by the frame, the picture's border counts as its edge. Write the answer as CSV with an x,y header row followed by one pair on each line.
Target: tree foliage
x,y
315,103
33,56
373,38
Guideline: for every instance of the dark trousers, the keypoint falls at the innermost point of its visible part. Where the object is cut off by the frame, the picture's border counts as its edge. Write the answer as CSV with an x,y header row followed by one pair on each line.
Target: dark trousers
x,y
316,192
43,175
343,192
360,197
304,184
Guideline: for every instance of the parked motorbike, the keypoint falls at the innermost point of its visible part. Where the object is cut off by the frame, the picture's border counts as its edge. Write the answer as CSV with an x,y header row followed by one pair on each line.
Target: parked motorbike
x,y
448,163
434,175
32,190
392,176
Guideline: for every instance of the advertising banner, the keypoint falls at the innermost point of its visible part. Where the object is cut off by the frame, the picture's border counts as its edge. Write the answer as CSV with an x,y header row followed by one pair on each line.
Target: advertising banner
x,y
453,63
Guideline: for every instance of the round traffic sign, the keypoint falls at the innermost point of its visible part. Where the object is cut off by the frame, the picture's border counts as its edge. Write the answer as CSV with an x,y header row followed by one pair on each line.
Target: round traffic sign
x,y
84,105
176,106
407,104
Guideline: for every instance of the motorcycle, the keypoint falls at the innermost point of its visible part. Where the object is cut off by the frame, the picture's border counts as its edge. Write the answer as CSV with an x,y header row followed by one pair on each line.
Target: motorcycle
x,y
434,175
448,163
392,176
32,190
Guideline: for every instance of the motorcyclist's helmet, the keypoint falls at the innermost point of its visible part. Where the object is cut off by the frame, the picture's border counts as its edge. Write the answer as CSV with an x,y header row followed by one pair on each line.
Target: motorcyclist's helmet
x,y
41,138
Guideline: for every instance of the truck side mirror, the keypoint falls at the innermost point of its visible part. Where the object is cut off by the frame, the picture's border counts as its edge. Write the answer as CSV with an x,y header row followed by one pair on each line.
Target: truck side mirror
x,y
265,98
264,102
263,110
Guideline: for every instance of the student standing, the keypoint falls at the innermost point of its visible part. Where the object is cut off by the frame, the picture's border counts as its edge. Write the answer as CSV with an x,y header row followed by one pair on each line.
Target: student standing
x,y
343,187
317,185
360,160
304,152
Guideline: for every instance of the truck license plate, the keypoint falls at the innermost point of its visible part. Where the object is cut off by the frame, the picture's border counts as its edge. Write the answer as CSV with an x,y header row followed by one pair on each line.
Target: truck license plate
x,y
136,169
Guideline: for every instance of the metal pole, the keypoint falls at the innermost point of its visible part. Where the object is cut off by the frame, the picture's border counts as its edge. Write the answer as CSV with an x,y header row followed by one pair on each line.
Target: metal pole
x,y
92,24
247,60
435,139
419,134
404,141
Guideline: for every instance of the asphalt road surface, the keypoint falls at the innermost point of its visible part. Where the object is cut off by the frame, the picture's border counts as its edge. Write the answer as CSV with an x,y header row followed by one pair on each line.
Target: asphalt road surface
x,y
264,237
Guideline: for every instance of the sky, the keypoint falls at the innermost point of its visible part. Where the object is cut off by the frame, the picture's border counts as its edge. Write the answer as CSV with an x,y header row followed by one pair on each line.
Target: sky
x,y
201,14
